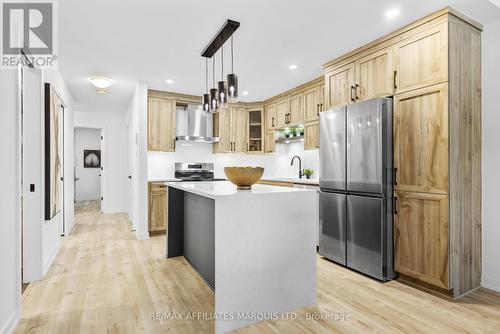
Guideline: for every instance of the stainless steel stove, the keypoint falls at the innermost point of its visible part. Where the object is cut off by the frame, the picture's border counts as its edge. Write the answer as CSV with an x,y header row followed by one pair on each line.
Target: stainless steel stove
x,y
195,171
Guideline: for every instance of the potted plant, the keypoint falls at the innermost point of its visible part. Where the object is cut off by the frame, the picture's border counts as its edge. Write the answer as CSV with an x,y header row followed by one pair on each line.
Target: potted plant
x,y
293,132
308,173
286,132
300,132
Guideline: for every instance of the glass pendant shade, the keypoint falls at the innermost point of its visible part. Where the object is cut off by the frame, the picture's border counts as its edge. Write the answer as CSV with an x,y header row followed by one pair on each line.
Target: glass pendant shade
x,y
206,102
232,87
213,100
222,93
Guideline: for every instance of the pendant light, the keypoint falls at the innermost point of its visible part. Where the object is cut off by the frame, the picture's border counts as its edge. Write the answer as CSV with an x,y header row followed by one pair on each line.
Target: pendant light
x,y
221,85
206,96
213,91
232,79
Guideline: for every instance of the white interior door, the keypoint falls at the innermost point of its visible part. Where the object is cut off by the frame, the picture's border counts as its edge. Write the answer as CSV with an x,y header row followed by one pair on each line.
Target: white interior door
x,y
130,167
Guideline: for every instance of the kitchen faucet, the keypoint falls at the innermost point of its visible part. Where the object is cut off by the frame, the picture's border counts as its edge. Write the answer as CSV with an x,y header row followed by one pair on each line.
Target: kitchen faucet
x,y
300,165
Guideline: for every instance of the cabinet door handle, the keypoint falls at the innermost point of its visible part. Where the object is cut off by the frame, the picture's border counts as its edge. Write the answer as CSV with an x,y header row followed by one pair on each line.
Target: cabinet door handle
x,y
395,205
317,109
272,122
356,91
248,146
395,176
352,97
395,74
173,143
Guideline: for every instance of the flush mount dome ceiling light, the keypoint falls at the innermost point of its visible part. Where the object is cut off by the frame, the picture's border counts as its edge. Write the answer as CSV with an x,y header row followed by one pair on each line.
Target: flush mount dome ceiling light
x,y
100,82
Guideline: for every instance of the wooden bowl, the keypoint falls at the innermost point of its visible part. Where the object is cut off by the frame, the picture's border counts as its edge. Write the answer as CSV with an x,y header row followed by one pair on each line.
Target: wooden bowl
x,y
244,177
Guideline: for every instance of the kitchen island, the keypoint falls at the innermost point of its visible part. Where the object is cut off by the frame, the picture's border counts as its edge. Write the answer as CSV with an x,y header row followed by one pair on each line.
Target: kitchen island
x,y
255,248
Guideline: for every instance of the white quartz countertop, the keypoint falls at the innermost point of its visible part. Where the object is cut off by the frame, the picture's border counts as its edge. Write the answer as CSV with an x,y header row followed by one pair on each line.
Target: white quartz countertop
x,y
314,182
214,189
165,179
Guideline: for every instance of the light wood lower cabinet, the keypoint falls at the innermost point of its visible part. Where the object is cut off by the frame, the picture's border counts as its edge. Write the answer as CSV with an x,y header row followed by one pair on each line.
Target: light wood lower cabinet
x,y
421,237
311,135
157,207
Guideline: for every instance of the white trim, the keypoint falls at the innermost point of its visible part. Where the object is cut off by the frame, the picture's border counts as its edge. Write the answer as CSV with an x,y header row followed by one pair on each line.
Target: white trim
x,y
11,324
142,236
491,283
46,265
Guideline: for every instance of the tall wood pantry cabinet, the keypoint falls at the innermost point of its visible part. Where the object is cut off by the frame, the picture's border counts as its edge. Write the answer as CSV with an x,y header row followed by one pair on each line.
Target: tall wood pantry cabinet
x,y
432,68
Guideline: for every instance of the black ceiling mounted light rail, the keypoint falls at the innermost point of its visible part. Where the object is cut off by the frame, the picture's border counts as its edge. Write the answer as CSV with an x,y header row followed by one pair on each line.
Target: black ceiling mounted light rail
x,y
222,36
219,97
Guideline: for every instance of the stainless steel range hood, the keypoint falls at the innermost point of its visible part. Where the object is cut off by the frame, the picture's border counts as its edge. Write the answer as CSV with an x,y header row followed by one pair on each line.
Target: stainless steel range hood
x,y
194,125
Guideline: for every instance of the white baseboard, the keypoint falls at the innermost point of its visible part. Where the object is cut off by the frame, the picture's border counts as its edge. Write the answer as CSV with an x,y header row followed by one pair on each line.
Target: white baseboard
x,y
11,324
47,264
491,283
141,236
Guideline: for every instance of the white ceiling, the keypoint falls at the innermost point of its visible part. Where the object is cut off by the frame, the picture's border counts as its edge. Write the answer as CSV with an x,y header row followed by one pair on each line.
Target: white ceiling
x,y
155,40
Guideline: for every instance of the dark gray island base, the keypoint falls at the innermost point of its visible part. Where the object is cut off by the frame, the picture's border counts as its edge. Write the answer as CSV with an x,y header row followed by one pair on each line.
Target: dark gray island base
x,y
191,231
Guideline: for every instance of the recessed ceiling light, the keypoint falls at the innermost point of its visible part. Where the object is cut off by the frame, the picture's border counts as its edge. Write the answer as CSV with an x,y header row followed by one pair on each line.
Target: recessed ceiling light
x,y
169,81
100,82
292,67
392,13
101,91
245,92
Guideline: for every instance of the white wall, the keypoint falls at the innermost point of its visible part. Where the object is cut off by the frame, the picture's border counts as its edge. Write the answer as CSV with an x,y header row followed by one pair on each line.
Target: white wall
x,y
113,156
10,288
491,156
161,164
137,121
88,187
52,229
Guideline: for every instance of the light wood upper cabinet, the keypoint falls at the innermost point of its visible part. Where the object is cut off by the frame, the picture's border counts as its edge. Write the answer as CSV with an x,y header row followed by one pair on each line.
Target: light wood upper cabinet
x,y
312,103
421,237
269,143
339,83
158,208
295,109
230,125
270,112
222,129
422,60
311,135
239,129
375,75
281,113
161,124
421,140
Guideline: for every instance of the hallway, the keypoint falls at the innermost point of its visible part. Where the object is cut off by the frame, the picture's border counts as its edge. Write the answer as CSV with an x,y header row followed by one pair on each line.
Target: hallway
x,y
104,280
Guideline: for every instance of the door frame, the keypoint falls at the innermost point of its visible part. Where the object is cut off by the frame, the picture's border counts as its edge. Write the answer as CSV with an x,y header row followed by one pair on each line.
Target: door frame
x,y
104,160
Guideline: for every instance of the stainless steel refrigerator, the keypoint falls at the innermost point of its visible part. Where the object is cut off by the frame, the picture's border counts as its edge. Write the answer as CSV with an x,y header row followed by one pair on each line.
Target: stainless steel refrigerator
x,y
356,187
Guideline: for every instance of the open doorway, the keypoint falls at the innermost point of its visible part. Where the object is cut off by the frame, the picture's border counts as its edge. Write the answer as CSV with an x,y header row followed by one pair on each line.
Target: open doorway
x,y
88,170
